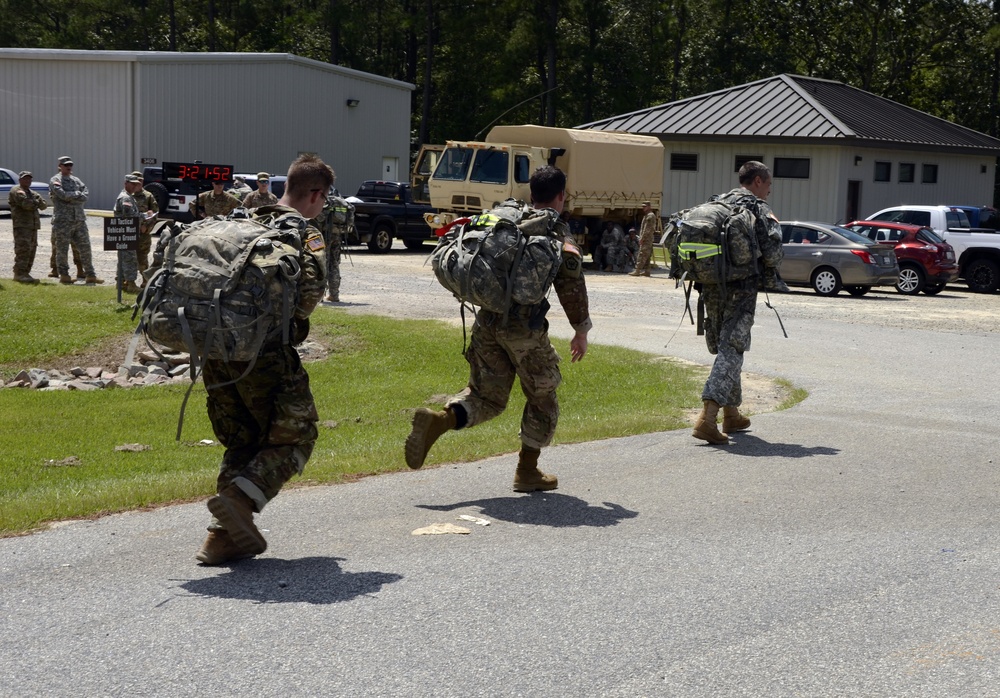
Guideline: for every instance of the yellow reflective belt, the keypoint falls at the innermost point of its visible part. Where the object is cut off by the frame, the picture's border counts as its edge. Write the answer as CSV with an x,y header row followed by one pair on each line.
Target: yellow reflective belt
x,y
484,220
698,250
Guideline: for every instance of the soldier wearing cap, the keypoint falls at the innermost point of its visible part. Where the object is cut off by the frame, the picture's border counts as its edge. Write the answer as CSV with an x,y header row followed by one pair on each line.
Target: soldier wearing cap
x,y
146,202
646,234
69,222
24,207
261,197
125,205
217,202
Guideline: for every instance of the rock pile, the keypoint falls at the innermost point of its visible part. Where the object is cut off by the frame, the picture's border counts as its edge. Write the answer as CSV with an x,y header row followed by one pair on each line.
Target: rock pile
x,y
149,369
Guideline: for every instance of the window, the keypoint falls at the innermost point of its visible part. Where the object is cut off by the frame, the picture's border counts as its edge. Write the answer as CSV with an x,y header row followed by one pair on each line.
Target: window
x,y
791,168
522,169
883,171
906,170
687,162
490,167
743,159
6,178
929,175
454,164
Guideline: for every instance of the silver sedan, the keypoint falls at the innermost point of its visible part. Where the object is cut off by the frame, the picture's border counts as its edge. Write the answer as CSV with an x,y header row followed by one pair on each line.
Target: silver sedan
x,y
829,258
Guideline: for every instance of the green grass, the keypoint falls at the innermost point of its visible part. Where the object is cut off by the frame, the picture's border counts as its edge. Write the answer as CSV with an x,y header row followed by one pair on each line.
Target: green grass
x,y
378,371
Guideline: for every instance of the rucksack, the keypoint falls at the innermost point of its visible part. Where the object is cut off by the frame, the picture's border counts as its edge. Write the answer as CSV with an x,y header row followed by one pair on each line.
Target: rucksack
x,y
713,243
503,257
223,287
339,211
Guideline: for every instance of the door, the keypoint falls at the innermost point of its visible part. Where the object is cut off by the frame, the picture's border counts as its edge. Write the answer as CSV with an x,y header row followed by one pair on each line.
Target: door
x,y
390,169
853,200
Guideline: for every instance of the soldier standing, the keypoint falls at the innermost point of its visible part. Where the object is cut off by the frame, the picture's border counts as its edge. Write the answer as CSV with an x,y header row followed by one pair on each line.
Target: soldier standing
x,y
646,233
125,205
69,222
146,202
730,308
497,353
334,222
261,197
239,188
267,419
216,202
24,207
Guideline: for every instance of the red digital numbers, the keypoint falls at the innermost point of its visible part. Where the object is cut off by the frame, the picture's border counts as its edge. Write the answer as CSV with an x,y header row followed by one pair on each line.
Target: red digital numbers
x,y
197,172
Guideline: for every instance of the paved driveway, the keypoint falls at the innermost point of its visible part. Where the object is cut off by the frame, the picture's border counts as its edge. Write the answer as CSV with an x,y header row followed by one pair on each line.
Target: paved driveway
x,y
845,547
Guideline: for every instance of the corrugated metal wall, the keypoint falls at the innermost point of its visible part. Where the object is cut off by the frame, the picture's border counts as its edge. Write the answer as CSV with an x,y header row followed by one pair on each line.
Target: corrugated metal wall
x,y
253,112
76,107
823,196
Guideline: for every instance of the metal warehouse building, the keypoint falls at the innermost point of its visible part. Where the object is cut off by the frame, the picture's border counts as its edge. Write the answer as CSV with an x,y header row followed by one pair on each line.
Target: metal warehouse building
x,y
114,111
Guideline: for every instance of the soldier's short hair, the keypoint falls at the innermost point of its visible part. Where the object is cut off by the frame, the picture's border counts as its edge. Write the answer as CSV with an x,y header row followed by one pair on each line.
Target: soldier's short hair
x,y
752,169
306,174
546,184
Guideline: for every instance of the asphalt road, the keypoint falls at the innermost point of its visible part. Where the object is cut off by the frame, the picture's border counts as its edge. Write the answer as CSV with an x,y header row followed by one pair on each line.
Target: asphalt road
x,y
844,547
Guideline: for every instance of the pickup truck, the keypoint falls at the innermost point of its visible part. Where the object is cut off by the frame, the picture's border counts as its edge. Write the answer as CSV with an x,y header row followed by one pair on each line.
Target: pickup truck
x,y
978,252
386,211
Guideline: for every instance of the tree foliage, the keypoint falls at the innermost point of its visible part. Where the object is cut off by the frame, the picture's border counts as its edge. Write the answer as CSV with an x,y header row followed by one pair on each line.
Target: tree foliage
x,y
567,62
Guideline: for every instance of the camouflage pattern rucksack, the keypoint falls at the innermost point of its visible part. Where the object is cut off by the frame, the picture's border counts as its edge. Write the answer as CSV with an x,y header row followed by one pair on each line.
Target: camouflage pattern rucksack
x,y
221,287
713,243
500,258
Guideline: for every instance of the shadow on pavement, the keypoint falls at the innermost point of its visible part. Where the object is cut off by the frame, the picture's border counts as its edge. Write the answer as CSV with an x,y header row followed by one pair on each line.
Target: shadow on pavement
x,y
544,509
315,580
750,445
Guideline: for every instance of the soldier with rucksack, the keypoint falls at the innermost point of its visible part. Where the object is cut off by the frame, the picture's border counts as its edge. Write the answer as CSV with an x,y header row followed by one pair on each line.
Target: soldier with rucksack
x,y
738,248
513,255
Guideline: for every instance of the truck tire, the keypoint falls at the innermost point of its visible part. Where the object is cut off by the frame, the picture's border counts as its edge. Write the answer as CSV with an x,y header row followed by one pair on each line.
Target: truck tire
x,y
933,289
826,281
159,193
858,291
982,276
381,240
413,244
911,280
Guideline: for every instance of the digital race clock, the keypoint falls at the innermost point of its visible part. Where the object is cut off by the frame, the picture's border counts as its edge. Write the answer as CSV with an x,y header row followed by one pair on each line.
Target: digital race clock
x,y
197,172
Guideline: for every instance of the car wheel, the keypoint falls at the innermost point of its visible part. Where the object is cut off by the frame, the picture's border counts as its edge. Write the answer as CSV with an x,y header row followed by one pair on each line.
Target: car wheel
x,y
911,280
381,240
159,193
857,291
933,289
413,244
983,276
826,281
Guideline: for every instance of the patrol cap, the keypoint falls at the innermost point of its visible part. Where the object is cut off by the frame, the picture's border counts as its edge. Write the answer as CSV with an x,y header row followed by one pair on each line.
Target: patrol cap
x,y
646,203
65,160
137,173
263,175
131,178
24,173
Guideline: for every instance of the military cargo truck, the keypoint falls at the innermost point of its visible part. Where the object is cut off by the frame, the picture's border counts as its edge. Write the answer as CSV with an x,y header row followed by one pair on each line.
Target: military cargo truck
x,y
609,175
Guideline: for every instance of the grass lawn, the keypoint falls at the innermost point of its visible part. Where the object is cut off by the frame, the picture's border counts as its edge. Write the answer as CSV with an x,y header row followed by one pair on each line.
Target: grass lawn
x,y
378,371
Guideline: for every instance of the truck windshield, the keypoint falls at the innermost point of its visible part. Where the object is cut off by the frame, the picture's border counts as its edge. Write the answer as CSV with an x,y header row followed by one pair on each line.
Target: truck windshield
x,y
454,164
490,167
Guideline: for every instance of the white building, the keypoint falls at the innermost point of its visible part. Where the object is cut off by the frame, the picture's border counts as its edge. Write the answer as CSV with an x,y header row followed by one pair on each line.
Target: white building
x,y
837,153
115,111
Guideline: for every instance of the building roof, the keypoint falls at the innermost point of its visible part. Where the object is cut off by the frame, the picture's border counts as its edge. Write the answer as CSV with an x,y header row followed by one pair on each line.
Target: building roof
x,y
196,57
803,109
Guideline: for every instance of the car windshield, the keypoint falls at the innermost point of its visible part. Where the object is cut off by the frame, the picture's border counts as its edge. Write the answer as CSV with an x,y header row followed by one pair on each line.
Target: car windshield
x,y
851,235
454,164
928,235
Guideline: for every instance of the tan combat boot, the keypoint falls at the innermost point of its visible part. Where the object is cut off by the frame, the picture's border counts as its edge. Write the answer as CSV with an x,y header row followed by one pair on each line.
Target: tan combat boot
x,y
428,426
527,477
234,510
79,272
130,288
65,279
90,280
732,420
706,428
219,548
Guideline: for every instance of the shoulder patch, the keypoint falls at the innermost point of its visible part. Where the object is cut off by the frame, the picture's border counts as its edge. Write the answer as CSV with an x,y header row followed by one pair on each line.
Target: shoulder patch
x,y
571,248
315,243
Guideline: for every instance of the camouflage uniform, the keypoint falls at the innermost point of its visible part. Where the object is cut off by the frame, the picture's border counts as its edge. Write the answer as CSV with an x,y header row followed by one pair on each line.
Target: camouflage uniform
x,y
240,190
615,251
128,265
498,353
646,234
729,315
69,222
146,202
211,205
336,209
256,199
24,208
267,420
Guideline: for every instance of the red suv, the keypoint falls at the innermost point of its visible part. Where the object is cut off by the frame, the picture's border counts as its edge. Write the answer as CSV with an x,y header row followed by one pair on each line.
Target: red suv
x,y
926,262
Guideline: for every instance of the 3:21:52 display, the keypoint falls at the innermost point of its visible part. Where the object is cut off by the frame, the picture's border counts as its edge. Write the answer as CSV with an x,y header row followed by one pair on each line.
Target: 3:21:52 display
x,y
197,172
